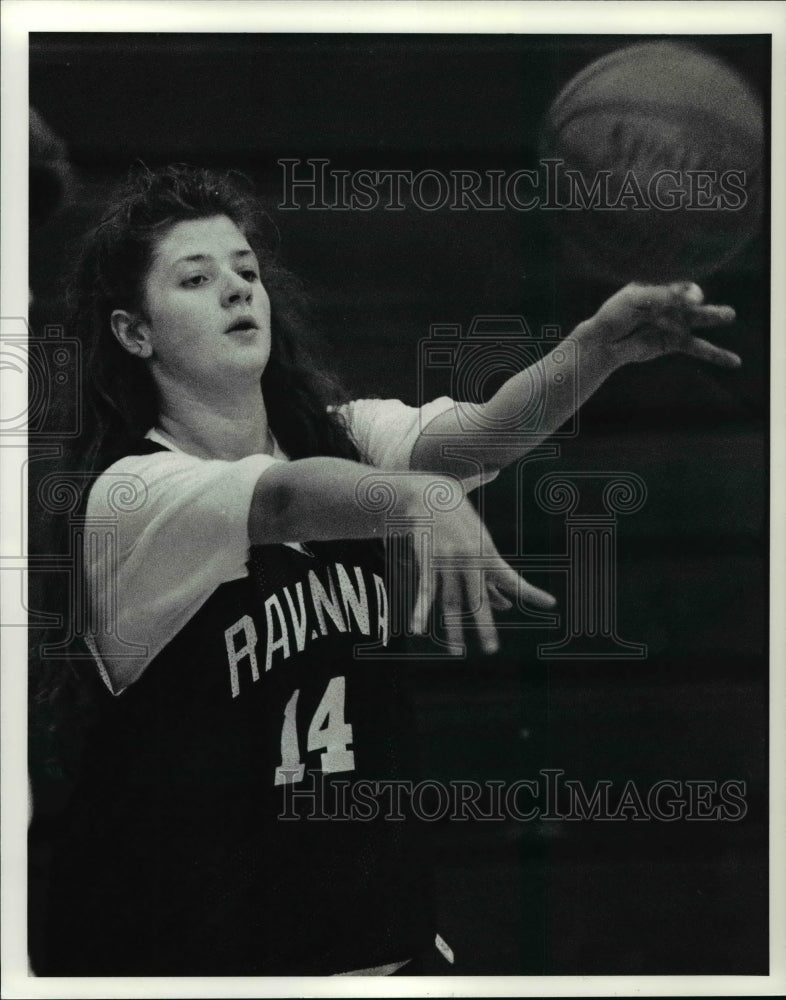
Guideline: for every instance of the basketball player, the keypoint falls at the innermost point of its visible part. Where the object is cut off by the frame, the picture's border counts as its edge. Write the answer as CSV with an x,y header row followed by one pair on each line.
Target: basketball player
x,y
245,573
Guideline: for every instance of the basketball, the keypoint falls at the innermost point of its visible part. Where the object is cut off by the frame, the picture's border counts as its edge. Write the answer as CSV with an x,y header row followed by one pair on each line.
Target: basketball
x,y
655,155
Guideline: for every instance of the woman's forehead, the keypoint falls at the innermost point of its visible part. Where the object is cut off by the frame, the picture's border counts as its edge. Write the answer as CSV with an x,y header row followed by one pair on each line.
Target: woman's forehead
x,y
211,237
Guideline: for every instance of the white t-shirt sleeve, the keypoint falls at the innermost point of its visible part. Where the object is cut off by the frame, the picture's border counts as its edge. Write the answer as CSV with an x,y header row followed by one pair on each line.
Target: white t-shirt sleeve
x,y
385,432
181,530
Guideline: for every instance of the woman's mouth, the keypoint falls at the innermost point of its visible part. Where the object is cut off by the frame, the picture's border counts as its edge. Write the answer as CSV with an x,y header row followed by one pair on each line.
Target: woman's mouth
x,y
241,325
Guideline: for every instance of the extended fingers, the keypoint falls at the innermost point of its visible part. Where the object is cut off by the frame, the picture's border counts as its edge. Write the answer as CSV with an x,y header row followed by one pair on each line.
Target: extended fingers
x,y
509,583
655,299
668,329
497,599
462,592
482,594
698,347
425,599
703,316
698,316
452,607
475,589
683,298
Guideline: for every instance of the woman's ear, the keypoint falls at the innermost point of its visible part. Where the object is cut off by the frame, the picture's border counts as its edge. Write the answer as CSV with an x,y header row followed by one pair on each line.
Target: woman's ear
x,y
132,333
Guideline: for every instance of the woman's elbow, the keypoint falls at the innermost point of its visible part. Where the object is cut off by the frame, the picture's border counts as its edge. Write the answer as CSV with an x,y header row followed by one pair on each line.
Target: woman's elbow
x,y
271,515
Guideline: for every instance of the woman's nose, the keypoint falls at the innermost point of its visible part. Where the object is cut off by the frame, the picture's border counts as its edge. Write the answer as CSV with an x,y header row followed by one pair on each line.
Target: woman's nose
x,y
237,290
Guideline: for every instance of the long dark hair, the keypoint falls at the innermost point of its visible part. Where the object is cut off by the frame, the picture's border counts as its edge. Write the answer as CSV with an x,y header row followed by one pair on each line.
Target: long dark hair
x,y
121,397
121,403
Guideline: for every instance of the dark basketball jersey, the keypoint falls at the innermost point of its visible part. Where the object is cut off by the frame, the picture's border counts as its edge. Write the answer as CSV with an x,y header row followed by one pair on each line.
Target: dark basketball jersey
x,y
210,832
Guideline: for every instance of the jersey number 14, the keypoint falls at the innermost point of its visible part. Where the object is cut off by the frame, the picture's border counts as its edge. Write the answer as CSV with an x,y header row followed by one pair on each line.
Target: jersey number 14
x,y
327,732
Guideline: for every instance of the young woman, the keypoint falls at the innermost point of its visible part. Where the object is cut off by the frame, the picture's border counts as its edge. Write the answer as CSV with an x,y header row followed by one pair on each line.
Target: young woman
x,y
234,577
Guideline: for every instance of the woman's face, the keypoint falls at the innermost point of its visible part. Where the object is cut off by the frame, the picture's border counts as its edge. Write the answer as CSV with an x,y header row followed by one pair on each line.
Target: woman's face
x,y
207,313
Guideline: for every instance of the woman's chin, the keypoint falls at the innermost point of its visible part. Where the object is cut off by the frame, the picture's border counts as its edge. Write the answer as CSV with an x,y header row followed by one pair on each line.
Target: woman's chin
x,y
237,372
251,354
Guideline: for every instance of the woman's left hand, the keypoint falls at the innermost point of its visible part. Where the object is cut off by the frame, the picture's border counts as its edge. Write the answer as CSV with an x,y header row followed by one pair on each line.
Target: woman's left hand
x,y
642,322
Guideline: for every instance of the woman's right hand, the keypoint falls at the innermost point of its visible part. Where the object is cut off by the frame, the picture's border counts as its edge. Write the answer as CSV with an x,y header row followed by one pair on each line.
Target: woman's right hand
x,y
461,572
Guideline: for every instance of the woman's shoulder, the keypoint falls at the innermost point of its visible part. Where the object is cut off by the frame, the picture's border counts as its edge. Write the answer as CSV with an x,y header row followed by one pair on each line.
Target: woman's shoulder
x,y
130,476
152,477
123,486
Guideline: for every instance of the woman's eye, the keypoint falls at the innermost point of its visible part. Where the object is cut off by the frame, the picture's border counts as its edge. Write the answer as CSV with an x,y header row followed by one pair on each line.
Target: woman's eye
x,y
194,281
250,275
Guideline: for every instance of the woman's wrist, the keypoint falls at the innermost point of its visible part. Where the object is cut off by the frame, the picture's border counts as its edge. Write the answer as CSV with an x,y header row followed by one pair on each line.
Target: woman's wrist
x,y
596,351
426,495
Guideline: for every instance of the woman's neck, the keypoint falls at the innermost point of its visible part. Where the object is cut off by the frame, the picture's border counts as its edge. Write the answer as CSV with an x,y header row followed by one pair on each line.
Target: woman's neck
x,y
228,429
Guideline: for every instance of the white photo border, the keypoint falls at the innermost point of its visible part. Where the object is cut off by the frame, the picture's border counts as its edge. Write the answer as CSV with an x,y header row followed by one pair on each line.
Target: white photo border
x,y
19,18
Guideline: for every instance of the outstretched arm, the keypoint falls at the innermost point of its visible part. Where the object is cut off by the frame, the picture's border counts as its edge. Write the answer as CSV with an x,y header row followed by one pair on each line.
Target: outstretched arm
x,y
637,324
319,499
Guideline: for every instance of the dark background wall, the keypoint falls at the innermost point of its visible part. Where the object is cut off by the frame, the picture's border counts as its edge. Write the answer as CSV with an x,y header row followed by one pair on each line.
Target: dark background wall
x,y
581,898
